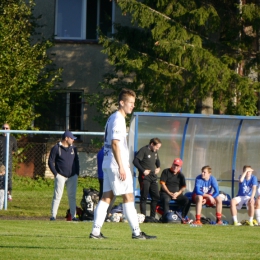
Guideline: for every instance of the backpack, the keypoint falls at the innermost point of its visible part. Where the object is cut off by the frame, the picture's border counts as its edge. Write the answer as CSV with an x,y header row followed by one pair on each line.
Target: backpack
x,y
117,209
172,217
149,219
89,202
205,220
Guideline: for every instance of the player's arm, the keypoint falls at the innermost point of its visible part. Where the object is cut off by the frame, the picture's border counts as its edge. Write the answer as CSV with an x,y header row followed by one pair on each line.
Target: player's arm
x,y
182,187
163,180
177,193
197,188
51,160
255,183
182,184
157,164
116,151
137,164
242,177
164,188
253,193
215,187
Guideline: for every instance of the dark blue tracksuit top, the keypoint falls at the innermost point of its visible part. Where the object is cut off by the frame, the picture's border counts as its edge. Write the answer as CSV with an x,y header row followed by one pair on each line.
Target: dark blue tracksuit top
x,y
64,160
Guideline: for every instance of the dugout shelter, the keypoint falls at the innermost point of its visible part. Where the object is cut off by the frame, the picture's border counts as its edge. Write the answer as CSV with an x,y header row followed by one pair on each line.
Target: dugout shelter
x,y
224,142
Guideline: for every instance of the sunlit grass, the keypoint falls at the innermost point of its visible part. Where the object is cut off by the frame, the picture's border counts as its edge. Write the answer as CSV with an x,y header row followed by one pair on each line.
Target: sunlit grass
x,y
32,198
32,239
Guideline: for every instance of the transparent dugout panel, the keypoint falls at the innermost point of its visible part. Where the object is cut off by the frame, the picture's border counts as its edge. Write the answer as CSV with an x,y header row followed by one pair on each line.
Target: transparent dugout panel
x,y
168,129
201,140
209,142
248,152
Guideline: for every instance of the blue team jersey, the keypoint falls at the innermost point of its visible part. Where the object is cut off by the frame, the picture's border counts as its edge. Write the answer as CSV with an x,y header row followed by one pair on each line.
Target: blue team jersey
x,y
245,187
206,187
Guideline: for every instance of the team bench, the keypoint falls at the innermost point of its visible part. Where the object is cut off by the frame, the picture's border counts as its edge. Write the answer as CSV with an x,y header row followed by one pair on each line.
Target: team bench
x,y
174,205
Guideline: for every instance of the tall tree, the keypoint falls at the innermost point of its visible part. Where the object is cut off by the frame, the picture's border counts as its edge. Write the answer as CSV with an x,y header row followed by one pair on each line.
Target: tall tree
x,y
26,71
178,53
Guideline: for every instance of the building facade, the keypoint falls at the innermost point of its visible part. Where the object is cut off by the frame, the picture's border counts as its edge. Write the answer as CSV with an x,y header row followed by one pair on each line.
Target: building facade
x,y
73,24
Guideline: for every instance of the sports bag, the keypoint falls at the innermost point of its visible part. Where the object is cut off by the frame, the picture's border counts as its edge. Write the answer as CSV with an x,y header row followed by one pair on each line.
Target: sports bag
x,y
149,219
172,217
89,202
205,220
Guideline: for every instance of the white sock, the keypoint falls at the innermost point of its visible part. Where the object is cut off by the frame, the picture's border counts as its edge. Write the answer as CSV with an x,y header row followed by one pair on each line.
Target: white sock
x,y
131,216
235,218
99,217
251,219
257,215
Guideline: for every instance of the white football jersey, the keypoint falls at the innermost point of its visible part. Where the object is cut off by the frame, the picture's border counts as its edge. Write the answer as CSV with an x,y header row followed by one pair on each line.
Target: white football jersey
x,y
115,130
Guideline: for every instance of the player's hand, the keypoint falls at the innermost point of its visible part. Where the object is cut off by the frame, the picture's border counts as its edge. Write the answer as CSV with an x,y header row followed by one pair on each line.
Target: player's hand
x,y
251,200
122,174
212,200
146,172
175,195
157,170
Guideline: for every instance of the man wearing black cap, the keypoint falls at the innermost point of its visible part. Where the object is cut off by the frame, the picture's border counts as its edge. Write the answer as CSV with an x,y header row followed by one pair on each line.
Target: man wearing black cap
x,y
64,164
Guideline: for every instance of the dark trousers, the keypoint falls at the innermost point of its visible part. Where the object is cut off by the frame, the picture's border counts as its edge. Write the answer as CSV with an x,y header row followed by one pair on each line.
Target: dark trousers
x,y
182,200
148,186
10,181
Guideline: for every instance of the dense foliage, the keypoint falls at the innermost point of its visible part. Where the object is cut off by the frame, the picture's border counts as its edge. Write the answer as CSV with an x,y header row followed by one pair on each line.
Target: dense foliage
x,y
176,54
26,71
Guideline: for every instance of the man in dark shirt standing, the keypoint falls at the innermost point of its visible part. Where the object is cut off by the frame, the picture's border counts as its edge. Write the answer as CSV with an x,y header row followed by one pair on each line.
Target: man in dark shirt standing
x,y
173,184
64,164
12,150
148,164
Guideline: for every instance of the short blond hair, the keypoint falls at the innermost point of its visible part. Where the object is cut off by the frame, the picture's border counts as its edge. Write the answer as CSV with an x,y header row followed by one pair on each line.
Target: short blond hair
x,y
207,167
125,93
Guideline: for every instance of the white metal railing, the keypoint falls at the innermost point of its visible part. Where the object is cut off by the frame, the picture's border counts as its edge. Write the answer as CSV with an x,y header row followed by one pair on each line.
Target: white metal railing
x,y
8,132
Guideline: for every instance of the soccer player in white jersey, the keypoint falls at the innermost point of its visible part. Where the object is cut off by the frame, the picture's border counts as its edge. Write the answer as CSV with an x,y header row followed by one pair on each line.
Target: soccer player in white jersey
x,y
117,175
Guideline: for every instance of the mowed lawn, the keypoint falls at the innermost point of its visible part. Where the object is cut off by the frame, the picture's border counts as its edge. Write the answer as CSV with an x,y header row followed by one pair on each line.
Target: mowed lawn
x,y
27,233
33,239
33,198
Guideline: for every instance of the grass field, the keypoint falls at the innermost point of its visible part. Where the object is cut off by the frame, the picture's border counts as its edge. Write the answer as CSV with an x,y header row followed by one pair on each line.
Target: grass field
x,y
32,198
32,239
27,233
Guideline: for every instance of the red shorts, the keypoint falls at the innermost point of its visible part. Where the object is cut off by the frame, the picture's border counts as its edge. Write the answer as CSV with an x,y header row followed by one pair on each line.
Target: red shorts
x,y
208,202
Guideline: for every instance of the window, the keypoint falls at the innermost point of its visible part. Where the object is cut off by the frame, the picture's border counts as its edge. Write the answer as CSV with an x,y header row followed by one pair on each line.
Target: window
x,y
75,108
64,111
79,19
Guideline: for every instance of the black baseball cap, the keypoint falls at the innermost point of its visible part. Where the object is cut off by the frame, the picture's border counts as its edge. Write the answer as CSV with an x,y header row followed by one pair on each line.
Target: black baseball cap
x,y
67,133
